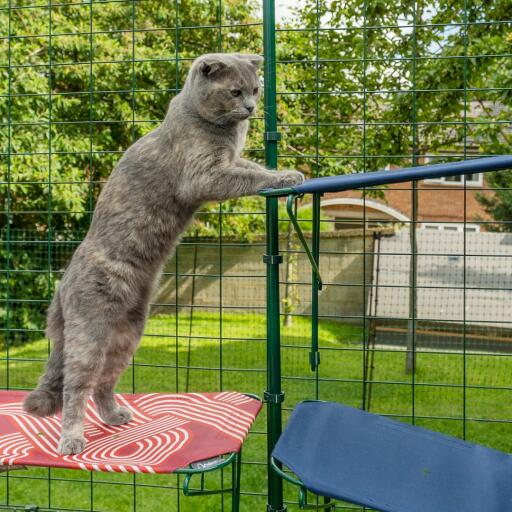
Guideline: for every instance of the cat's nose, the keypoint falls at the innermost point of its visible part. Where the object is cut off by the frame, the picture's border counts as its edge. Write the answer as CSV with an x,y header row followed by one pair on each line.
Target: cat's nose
x,y
249,108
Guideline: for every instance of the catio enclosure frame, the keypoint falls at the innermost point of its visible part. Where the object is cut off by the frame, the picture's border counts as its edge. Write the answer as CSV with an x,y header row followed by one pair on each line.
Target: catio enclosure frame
x,y
299,383
317,187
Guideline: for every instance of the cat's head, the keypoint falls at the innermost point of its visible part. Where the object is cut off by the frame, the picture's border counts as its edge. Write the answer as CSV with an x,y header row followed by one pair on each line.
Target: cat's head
x,y
224,87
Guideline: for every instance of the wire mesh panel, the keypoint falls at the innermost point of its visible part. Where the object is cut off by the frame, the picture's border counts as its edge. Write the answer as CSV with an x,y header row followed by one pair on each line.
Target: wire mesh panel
x,y
362,85
81,81
412,313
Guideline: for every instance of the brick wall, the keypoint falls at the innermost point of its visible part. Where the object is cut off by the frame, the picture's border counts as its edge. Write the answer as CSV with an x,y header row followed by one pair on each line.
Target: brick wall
x,y
436,203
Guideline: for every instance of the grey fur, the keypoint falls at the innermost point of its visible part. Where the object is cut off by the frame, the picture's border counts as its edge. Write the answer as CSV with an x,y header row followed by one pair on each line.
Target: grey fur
x,y
97,316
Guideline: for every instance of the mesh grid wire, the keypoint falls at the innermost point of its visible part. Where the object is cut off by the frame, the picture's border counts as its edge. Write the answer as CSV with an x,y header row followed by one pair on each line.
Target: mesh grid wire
x,y
362,85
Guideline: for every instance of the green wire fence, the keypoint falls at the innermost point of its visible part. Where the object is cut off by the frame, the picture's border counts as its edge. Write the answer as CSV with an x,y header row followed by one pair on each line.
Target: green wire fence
x,y
349,86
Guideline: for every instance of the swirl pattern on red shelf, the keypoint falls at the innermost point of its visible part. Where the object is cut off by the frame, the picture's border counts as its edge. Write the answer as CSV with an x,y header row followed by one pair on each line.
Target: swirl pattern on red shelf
x,y
168,431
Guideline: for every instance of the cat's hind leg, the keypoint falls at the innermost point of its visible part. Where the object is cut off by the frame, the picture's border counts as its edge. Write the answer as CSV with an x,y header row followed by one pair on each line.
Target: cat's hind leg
x,y
86,343
46,399
124,340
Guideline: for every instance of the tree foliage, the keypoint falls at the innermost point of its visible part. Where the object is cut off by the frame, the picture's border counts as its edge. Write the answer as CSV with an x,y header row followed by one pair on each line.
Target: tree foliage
x,y
361,85
387,90
71,103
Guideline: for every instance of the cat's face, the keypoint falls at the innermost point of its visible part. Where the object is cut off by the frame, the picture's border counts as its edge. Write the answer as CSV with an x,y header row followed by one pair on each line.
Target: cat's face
x,y
225,87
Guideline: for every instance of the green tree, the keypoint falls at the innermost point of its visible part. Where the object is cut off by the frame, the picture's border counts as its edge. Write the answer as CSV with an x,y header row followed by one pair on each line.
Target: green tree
x,y
488,74
499,204
70,104
388,92
359,88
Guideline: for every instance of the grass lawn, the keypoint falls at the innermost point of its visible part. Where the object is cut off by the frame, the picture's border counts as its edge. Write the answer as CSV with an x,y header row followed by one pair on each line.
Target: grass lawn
x,y
188,355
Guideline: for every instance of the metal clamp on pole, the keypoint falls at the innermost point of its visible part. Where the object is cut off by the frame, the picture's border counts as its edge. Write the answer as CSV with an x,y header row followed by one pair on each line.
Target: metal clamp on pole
x,y
270,508
314,358
273,398
272,259
274,136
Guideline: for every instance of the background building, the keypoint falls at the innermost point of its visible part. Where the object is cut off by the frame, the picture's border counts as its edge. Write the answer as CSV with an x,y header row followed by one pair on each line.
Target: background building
x,y
443,204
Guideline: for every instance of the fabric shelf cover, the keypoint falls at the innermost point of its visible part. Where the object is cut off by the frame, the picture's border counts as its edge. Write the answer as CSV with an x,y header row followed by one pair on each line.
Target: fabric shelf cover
x,y
167,432
387,465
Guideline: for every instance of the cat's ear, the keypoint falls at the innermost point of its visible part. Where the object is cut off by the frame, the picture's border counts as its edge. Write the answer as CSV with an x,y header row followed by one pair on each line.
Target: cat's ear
x,y
209,66
255,60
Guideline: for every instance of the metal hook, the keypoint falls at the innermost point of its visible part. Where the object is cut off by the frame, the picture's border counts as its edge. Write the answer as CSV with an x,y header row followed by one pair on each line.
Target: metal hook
x,y
290,202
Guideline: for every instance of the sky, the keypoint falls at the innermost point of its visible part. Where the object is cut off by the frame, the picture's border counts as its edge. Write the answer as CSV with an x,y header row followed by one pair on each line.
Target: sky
x,y
283,8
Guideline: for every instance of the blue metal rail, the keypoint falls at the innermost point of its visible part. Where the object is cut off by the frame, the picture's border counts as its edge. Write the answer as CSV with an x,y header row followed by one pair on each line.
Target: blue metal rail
x,y
377,178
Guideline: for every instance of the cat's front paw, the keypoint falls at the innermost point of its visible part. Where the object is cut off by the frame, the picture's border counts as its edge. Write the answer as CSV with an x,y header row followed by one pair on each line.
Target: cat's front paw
x,y
71,445
118,416
289,178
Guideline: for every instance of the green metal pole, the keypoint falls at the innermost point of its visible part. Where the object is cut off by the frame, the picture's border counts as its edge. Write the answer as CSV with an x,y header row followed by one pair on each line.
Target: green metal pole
x,y
273,394
316,285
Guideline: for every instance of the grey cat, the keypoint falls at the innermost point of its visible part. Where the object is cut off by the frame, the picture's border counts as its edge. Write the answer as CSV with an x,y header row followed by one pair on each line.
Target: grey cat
x,y
98,314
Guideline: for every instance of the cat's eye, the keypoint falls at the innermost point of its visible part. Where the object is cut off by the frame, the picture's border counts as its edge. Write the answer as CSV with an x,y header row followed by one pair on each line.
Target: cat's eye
x,y
256,91
236,92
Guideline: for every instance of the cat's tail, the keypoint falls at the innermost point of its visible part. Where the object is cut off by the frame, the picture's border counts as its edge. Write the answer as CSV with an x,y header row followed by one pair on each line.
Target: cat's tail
x,y
46,399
